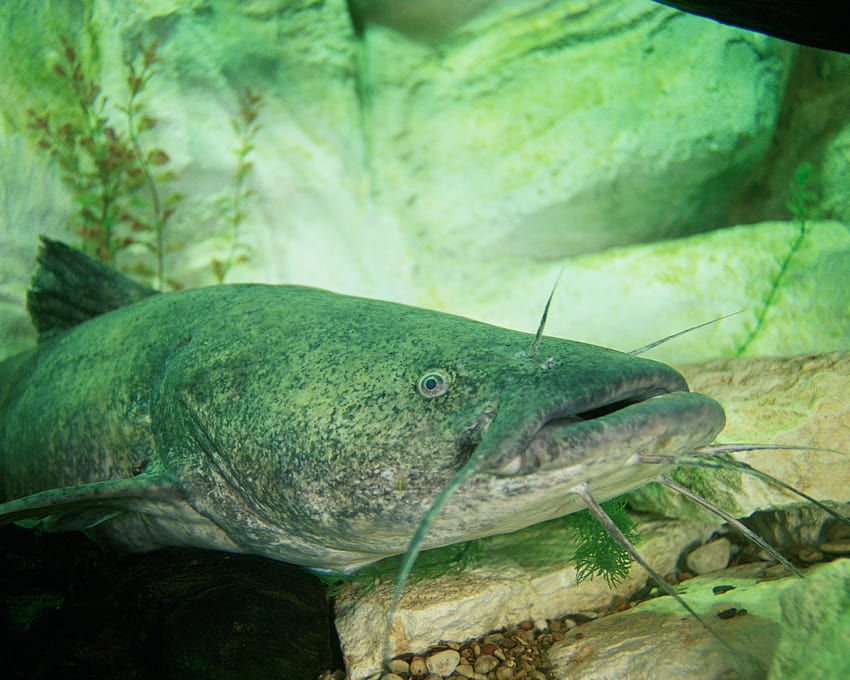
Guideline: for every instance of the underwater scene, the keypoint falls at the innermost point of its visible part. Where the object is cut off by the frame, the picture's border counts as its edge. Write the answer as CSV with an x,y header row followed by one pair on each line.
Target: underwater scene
x,y
420,339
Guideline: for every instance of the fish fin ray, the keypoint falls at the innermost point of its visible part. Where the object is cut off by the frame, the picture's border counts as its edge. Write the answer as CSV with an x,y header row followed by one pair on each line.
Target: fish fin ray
x,y
86,505
70,287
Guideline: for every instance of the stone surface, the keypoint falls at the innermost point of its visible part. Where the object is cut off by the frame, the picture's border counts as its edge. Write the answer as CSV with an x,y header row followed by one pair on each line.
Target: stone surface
x,y
795,401
580,169
627,298
442,663
816,618
657,639
712,556
507,587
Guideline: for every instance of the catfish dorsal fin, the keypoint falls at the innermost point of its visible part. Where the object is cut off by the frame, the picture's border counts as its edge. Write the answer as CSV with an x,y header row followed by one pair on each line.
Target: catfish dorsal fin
x,y
70,287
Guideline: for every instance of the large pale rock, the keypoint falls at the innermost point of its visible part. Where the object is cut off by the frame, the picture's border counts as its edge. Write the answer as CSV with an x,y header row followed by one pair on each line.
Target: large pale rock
x,y
794,628
626,298
795,401
657,640
505,588
546,129
816,620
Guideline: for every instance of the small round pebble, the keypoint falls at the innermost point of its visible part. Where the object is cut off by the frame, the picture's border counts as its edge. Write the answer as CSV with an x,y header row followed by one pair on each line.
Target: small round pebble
x,y
485,663
710,557
810,555
418,666
398,666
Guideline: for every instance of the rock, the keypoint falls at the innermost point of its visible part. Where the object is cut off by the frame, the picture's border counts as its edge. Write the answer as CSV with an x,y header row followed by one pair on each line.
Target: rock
x,y
468,671
554,198
659,634
485,663
816,626
442,663
513,583
653,290
430,21
418,666
790,401
810,555
712,556
398,666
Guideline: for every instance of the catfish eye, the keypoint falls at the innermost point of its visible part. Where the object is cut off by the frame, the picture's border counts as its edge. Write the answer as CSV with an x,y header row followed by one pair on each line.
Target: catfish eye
x,y
433,384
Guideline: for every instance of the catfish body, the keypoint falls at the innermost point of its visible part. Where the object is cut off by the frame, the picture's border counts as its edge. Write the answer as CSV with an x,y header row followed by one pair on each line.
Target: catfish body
x,y
318,428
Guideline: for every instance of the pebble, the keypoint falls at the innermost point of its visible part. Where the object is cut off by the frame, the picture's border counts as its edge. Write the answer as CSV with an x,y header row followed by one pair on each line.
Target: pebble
x,y
418,666
398,666
810,555
488,648
443,663
515,654
710,557
485,663
525,635
333,675
468,671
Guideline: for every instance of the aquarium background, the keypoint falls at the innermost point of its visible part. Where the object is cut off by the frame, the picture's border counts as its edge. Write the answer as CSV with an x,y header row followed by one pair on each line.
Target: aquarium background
x,y
451,155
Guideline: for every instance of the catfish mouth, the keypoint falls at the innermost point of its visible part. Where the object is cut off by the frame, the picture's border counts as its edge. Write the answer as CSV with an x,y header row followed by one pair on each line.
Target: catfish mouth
x,y
659,416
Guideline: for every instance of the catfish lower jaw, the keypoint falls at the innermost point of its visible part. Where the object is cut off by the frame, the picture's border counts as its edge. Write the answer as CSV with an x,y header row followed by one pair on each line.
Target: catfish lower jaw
x,y
672,424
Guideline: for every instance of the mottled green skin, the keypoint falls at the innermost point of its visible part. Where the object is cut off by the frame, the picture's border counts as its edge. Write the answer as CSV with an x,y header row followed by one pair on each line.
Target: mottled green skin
x,y
286,421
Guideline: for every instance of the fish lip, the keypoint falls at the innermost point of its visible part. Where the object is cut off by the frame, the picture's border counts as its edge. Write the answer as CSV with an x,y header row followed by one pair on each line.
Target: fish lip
x,y
610,398
627,410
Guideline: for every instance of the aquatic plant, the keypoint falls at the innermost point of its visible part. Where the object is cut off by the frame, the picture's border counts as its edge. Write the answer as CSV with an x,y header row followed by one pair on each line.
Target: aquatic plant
x,y
598,553
586,544
801,205
153,214
246,126
112,179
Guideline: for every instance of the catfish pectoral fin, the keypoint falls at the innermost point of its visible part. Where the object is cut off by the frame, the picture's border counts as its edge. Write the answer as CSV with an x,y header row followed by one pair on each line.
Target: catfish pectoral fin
x,y
86,505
